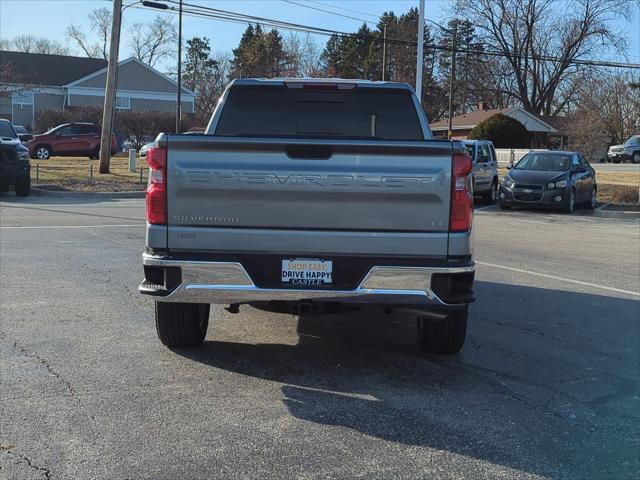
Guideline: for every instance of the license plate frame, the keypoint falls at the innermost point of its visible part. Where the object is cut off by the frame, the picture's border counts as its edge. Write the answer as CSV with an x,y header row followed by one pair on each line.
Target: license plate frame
x,y
306,272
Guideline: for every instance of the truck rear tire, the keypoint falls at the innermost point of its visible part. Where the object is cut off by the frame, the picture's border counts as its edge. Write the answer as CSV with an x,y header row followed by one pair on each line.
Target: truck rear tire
x,y
182,324
443,335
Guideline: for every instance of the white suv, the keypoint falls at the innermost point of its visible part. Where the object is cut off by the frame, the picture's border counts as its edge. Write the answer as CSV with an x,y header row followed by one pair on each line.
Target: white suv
x,y
629,150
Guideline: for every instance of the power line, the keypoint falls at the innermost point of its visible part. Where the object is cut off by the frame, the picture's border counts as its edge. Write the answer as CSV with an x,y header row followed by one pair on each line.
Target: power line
x,y
329,11
235,17
344,8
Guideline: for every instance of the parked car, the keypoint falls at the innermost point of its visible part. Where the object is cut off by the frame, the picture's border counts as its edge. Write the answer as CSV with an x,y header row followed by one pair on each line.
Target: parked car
x,y
485,169
144,149
311,196
629,150
69,139
23,133
550,179
14,161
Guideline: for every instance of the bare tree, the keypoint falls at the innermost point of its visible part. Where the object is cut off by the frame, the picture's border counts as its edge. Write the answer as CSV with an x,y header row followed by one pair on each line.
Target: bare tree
x,y
539,41
212,87
33,44
303,56
606,109
153,42
11,80
100,21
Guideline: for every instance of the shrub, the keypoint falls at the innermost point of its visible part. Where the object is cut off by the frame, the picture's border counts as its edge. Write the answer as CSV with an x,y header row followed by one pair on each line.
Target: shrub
x,y
46,119
503,131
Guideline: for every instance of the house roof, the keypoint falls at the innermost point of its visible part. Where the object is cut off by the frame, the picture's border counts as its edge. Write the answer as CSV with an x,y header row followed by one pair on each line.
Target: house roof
x,y
50,70
103,71
467,121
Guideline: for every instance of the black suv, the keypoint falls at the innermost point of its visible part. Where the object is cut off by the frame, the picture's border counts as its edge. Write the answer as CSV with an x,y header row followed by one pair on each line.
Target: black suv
x,y
14,161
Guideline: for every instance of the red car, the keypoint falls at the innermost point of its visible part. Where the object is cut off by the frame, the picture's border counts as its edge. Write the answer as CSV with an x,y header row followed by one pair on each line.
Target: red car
x,y
69,139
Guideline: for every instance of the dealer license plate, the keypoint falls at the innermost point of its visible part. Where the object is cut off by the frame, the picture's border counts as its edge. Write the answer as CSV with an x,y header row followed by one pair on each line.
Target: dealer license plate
x,y
307,271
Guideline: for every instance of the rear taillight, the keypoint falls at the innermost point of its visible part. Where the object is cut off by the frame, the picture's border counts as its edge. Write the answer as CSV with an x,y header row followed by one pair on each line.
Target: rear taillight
x,y
157,186
461,194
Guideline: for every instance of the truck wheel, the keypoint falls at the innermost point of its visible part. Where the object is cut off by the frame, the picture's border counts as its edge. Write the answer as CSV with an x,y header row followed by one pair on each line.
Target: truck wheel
x,y
444,335
182,324
23,186
636,157
617,160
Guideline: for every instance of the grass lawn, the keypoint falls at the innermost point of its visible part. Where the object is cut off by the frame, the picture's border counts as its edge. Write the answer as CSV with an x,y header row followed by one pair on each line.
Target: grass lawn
x,y
74,173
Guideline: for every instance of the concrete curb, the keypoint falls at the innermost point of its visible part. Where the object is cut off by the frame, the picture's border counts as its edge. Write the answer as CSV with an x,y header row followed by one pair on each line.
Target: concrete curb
x,y
42,192
623,214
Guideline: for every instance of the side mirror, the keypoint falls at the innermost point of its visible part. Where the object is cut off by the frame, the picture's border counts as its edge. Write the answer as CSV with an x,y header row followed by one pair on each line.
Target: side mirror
x,y
580,169
509,166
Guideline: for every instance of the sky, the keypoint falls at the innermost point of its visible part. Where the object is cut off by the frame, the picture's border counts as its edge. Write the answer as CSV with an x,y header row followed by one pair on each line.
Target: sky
x,y
50,18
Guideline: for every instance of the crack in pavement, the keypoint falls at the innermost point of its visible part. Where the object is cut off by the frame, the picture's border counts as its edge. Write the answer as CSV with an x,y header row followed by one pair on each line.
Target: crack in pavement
x,y
46,364
10,450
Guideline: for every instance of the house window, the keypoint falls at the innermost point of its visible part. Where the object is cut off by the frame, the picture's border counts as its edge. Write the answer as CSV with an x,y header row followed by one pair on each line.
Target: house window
x,y
123,103
23,99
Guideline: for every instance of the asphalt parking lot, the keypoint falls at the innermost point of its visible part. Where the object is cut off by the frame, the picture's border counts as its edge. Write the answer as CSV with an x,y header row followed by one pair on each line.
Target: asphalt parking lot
x,y
547,385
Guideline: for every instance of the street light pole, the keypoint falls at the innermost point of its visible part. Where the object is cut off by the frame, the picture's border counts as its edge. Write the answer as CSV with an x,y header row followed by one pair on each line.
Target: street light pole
x,y
111,88
452,78
384,53
420,60
179,95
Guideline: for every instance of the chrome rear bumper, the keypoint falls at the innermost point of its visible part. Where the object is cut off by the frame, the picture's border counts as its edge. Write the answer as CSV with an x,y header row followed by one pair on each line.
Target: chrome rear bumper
x,y
228,282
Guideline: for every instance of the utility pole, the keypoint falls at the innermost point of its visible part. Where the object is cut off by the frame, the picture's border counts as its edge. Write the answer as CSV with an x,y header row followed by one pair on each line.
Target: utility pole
x,y
111,88
384,53
179,94
420,59
452,78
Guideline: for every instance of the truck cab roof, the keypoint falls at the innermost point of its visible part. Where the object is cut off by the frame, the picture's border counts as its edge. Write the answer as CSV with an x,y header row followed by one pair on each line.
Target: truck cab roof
x,y
311,82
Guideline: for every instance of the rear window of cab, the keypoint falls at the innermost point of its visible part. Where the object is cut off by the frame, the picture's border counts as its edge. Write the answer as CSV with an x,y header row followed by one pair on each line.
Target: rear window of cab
x,y
357,114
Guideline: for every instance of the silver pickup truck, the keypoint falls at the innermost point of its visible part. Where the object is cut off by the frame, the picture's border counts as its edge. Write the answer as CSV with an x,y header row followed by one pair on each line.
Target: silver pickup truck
x,y
310,197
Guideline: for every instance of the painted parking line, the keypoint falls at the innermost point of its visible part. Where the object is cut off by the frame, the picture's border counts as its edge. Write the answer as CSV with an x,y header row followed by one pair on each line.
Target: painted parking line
x,y
35,227
562,279
479,209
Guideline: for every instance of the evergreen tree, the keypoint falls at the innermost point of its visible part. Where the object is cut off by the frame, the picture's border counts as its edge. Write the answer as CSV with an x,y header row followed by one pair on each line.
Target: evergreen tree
x,y
332,57
470,67
259,54
242,54
198,64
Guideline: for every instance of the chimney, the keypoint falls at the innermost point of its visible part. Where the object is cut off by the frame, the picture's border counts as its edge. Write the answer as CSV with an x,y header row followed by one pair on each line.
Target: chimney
x,y
481,106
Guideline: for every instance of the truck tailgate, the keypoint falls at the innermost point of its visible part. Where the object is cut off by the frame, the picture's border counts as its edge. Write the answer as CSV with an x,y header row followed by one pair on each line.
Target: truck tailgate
x,y
299,186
